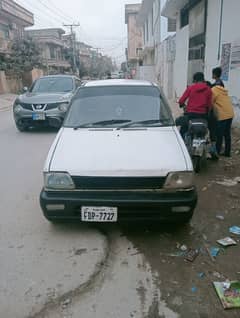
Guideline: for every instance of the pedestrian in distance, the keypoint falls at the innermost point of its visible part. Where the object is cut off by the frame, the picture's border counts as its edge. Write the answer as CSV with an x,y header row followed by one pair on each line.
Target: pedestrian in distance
x,y
216,75
224,113
212,126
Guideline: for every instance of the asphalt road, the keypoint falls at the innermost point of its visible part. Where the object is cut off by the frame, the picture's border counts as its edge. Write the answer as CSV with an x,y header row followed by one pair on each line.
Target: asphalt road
x,y
116,272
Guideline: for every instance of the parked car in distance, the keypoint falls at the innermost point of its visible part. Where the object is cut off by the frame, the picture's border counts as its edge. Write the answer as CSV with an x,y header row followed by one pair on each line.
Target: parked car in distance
x,y
115,75
118,157
45,102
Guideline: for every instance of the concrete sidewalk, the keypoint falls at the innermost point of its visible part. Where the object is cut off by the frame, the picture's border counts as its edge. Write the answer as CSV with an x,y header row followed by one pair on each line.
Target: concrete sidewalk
x,y
6,101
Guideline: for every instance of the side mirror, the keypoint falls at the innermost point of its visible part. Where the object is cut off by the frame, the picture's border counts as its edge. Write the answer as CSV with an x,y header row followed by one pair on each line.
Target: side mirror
x,y
25,89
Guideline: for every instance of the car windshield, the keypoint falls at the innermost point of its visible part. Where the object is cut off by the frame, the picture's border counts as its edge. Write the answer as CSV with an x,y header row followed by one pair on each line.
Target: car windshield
x,y
126,106
53,85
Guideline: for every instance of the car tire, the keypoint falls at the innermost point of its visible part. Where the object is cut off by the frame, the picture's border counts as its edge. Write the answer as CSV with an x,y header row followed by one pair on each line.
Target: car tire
x,y
186,219
54,221
21,127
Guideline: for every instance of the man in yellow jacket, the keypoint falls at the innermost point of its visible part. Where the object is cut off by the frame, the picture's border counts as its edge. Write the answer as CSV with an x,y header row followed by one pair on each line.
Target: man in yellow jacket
x,y
224,113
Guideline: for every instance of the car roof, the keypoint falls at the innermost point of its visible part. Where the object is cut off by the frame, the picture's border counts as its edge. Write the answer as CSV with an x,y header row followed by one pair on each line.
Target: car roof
x,y
59,75
118,82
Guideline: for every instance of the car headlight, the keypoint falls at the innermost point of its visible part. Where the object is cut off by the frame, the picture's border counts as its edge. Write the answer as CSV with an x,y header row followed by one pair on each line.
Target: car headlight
x,y
63,107
179,180
58,181
17,108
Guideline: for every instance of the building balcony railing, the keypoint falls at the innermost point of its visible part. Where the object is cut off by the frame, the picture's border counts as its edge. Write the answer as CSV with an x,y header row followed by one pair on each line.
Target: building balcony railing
x,y
49,40
57,63
11,8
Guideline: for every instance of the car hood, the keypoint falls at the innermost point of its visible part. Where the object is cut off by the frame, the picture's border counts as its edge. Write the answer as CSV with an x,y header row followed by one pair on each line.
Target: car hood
x,y
150,152
44,98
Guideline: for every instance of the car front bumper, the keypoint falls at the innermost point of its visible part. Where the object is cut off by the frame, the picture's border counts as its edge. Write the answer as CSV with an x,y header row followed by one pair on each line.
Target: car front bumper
x,y
132,205
53,118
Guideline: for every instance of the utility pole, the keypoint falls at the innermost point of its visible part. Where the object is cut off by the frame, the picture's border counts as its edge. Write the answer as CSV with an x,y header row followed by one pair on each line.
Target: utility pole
x,y
73,44
96,57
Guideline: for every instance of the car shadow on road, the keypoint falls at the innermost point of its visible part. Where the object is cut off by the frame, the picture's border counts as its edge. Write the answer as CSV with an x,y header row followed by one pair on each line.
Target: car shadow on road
x,y
46,130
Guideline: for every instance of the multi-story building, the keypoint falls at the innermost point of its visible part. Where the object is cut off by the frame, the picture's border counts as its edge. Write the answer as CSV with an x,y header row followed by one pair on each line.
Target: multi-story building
x,y
85,56
135,37
149,18
13,19
166,66
206,37
51,44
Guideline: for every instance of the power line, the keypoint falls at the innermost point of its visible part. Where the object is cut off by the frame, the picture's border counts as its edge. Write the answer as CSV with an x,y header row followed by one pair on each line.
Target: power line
x,y
50,13
50,9
67,17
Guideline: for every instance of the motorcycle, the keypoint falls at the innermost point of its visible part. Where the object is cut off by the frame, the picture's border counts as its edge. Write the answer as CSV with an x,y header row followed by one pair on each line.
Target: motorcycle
x,y
196,140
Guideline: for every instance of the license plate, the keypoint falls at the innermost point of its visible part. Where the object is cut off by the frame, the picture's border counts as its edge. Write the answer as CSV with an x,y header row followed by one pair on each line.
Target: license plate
x,y
99,214
38,116
198,142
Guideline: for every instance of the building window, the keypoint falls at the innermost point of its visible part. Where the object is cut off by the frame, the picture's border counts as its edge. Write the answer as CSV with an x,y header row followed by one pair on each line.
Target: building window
x,y
52,52
4,30
184,17
139,51
196,54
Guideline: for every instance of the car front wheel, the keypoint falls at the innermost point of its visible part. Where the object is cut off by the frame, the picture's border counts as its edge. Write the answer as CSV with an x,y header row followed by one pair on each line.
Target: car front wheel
x,y
21,127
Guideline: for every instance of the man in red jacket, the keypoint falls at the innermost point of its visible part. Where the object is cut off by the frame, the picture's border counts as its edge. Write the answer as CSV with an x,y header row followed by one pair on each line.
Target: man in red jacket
x,y
199,100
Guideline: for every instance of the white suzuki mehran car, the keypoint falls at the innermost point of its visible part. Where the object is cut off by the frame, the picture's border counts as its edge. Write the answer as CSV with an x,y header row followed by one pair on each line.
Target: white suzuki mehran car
x,y
118,157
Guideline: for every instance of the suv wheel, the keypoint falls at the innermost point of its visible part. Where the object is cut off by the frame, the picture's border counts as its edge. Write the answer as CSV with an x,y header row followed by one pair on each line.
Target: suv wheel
x,y
21,127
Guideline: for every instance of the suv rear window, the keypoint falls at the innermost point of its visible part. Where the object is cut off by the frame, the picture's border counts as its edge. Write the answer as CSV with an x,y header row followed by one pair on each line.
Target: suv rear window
x,y
53,85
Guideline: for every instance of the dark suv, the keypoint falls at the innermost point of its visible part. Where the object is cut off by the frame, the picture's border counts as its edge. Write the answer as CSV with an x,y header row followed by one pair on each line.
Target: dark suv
x,y
46,102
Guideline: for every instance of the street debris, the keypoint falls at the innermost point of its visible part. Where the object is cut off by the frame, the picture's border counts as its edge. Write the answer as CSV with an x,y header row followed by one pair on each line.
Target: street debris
x,y
66,303
228,293
80,251
205,237
192,254
229,182
214,251
235,230
234,195
177,254
177,301
201,275
183,248
194,289
220,217
217,274
227,241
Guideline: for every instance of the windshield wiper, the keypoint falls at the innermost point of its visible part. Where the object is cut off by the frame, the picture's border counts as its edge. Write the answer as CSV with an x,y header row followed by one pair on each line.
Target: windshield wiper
x,y
149,122
102,122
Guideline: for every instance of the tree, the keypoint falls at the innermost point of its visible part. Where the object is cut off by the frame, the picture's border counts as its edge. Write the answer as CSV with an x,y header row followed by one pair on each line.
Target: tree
x,y
25,55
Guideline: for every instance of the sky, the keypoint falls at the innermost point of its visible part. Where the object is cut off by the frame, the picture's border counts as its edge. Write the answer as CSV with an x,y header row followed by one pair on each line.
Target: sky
x,y
102,22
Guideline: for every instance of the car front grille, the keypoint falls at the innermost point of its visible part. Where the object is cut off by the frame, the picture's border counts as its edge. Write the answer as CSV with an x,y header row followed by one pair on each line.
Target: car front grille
x,y
34,106
118,183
